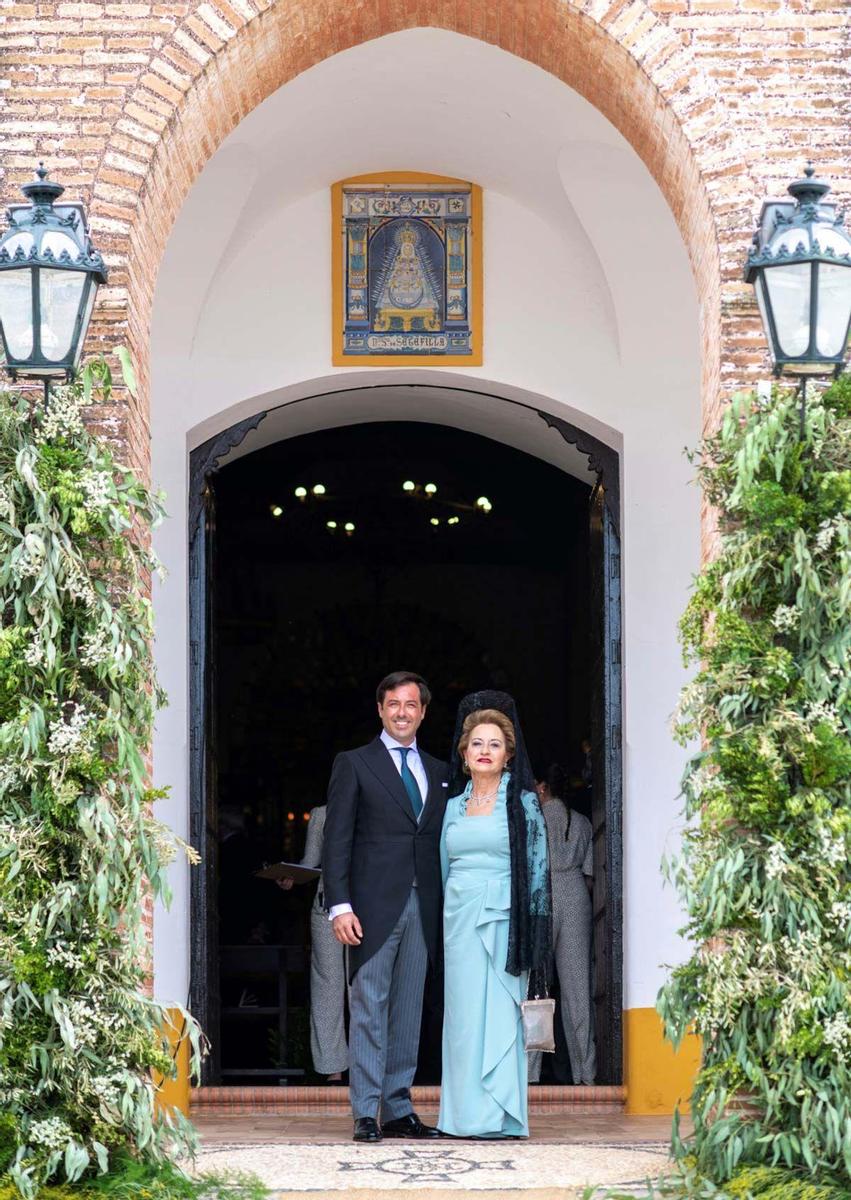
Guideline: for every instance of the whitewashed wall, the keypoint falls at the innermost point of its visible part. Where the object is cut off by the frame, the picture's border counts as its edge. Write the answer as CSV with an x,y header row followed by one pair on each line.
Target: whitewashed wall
x,y
590,312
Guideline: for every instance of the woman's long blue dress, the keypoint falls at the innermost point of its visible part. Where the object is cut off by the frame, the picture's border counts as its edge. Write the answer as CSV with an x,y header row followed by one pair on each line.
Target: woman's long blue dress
x,y
484,1084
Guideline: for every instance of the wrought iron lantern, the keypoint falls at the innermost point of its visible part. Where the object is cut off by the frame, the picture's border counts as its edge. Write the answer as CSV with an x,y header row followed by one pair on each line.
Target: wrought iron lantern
x,y
800,266
49,276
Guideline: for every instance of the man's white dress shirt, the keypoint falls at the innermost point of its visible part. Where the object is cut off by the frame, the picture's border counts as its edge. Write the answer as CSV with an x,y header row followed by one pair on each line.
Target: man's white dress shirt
x,y
415,764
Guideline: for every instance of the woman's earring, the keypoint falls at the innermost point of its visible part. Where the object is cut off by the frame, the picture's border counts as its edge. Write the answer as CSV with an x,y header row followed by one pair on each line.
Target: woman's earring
x,y
465,767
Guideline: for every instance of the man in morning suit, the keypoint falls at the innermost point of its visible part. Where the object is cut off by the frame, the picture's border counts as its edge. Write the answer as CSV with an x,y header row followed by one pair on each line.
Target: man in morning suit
x,y
382,886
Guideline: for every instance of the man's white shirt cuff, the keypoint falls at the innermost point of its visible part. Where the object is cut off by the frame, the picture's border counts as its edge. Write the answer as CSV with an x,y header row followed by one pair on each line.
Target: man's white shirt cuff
x,y
338,910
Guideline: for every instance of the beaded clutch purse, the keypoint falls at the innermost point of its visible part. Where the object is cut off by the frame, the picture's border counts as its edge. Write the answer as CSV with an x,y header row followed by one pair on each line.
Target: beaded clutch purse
x,y
538,1018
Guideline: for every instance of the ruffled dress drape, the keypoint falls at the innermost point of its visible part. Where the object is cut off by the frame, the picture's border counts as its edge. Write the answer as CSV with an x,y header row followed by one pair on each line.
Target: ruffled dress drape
x,y
484,1087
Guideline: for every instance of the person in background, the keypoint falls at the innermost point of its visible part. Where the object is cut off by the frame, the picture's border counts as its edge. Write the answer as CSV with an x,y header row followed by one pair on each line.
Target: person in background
x,y
242,898
572,872
327,968
587,773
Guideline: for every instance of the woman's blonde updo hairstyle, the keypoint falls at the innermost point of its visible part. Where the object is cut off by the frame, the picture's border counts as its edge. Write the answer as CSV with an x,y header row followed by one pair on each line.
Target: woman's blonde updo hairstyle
x,y
486,716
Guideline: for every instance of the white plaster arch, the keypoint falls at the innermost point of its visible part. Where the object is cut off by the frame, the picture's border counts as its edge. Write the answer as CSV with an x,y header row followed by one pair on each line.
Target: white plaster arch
x,y
439,397
590,314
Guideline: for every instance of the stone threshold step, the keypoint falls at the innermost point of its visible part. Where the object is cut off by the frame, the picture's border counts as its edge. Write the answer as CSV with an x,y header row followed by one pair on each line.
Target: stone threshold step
x,y
305,1101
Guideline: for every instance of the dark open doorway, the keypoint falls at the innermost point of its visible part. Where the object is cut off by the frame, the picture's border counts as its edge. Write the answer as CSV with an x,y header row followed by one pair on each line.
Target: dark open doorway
x,y
302,616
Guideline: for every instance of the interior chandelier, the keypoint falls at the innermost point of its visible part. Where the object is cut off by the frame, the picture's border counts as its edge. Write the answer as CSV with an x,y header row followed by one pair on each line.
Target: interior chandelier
x,y
439,510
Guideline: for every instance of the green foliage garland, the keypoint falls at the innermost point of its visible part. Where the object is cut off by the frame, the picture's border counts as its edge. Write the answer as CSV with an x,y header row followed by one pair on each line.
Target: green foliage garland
x,y
80,852
130,1180
764,870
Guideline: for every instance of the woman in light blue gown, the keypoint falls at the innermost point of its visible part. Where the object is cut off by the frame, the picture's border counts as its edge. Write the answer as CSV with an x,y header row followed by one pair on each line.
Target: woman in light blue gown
x,y
496,923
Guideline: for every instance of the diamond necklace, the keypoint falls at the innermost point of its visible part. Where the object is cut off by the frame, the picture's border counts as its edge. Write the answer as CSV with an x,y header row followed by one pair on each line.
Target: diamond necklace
x,y
478,801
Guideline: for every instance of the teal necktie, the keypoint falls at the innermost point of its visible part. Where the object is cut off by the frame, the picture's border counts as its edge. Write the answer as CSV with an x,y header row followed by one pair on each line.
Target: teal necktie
x,y
411,785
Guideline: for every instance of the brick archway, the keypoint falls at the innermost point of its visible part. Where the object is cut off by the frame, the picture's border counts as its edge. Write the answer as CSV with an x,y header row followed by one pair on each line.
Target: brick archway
x,y
215,69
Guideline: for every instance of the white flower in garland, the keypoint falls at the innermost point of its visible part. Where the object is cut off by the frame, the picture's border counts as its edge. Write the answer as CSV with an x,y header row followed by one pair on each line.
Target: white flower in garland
x,y
95,648
108,1091
700,780
89,1021
786,618
840,913
829,849
63,957
68,737
28,563
77,585
7,506
776,861
9,777
822,712
34,653
837,1033
98,489
804,955
52,1134
62,417
826,533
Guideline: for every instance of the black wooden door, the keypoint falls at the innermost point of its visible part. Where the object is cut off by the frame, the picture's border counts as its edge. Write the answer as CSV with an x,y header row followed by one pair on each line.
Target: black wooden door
x,y
204,985
204,992
605,575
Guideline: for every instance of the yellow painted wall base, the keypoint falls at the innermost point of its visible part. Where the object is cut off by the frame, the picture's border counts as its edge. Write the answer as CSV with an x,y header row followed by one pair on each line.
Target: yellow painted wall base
x,y
174,1093
657,1076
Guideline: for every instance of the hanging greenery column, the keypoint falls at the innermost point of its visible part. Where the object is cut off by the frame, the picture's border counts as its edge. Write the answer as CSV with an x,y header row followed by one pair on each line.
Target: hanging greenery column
x,y
764,873
80,851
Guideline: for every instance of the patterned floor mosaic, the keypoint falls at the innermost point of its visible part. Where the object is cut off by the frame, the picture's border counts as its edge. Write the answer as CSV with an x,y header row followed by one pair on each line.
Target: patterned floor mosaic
x,y
459,1166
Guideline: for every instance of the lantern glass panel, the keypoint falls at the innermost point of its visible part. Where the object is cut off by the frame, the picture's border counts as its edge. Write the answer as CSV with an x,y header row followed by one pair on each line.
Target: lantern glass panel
x,y
18,241
57,243
789,293
61,292
16,309
759,287
831,239
789,240
834,308
90,303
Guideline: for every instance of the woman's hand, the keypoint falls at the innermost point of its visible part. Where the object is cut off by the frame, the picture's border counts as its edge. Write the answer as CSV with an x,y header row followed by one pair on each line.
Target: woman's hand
x,y
286,885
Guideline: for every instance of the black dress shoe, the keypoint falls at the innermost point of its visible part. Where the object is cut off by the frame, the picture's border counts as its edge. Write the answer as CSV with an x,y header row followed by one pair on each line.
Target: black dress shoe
x,y
366,1130
409,1127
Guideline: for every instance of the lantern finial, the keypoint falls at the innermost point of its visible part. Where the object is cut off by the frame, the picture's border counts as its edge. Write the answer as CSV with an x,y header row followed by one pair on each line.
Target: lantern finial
x,y
42,191
809,190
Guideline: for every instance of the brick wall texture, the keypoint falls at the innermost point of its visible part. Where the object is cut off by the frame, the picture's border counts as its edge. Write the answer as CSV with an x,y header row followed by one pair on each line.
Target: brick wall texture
x,y
723,100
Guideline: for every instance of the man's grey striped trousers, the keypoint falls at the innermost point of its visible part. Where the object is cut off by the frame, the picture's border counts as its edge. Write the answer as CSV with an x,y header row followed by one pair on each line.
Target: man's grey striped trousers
x,y
385,1011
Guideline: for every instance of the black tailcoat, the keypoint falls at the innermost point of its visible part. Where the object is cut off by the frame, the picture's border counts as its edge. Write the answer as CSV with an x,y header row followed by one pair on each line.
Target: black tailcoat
x,y
374,847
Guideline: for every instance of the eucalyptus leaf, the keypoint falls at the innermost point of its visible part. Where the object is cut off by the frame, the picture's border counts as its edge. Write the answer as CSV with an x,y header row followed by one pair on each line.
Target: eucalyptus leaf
x,y
127,372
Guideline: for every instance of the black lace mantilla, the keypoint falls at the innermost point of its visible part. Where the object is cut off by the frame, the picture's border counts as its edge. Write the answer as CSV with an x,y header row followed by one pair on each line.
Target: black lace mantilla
x,y
530,924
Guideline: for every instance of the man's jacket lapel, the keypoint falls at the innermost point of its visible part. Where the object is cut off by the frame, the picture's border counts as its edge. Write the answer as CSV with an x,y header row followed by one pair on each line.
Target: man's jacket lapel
x,y
377,758
435,788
